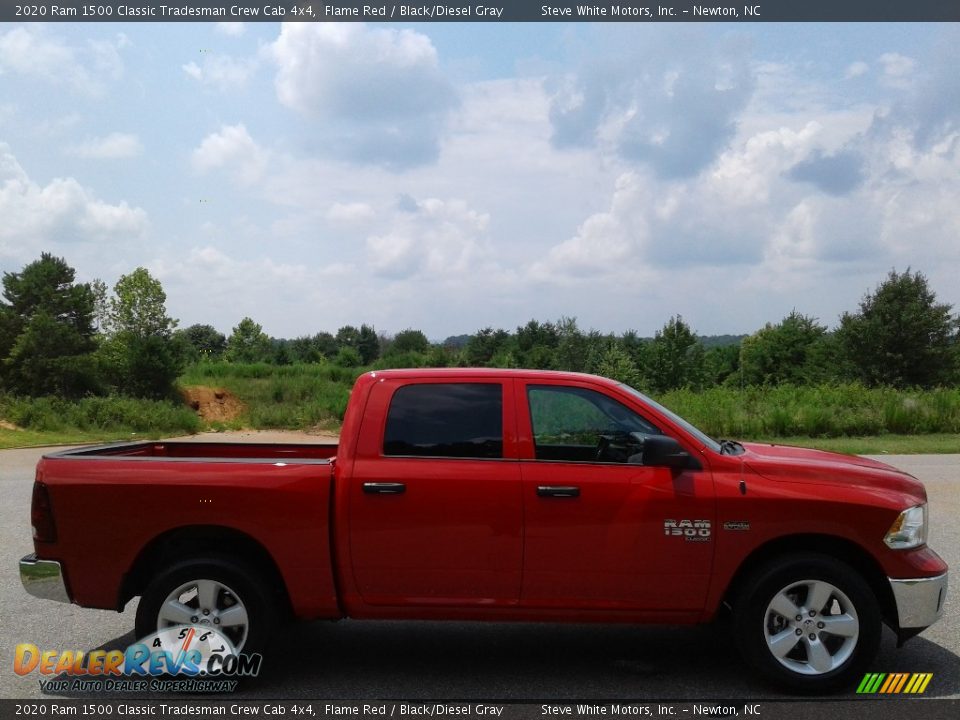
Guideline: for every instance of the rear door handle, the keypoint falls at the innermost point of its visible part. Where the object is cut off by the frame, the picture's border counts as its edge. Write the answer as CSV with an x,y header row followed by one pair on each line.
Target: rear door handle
x,y
558,491
384,488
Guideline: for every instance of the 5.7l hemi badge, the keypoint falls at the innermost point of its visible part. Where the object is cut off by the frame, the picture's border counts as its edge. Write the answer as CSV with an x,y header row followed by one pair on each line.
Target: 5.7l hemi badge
x,y
689,530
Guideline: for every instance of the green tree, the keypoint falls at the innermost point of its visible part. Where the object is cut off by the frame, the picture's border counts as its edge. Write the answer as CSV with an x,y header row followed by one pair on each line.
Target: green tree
x,y
482,346
408,341
676,358
348,357
325,344
50,358
140,358
348,336
10,327
827,363
207,342
281,353
537,344
721,365
572,351
901,335
248,343
140,366
302,350
46,330
440,356
101,304
313,349
616,364
368,344
782,353
139,307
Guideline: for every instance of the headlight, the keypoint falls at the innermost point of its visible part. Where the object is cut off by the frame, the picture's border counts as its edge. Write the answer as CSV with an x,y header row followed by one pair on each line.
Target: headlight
x,y
909,530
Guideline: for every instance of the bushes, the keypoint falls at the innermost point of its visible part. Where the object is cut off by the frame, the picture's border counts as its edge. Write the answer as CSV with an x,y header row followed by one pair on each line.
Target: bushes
x,y
304,396
100,413
281,396
817,411
207,373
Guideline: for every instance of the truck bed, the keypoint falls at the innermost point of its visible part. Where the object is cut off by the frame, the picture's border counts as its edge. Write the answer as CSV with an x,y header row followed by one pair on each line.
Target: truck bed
x,y
209,451
118,505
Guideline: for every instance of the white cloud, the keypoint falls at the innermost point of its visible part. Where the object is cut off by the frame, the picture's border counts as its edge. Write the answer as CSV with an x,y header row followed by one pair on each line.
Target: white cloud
x,y
103,221
193,70
870,197
605,242
379,94
29,52
856,69
438,239
222,71
34,52
231,29
350,212
746,173
214,264
630,176
59,213
232,148
209,284
112,147
897,69
669,101
105,56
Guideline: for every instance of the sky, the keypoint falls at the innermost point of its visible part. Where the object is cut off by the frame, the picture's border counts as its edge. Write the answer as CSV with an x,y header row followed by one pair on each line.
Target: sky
x,y
453,176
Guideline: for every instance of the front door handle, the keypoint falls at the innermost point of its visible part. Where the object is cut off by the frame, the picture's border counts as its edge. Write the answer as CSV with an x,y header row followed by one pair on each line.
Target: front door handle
x,y
384,488
558,491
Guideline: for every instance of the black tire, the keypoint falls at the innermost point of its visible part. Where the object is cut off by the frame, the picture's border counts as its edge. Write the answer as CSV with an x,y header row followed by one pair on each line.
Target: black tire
x,y
839,623
230,582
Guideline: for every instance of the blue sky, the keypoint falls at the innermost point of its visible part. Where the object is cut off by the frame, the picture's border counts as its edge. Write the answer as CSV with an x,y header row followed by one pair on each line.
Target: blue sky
x,y
448,177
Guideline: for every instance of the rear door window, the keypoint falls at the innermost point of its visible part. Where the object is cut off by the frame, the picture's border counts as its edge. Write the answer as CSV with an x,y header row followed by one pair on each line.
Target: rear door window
x,y
459,420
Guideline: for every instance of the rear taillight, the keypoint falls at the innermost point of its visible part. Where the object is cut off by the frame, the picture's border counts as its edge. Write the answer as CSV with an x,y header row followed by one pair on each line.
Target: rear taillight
x,y
41,515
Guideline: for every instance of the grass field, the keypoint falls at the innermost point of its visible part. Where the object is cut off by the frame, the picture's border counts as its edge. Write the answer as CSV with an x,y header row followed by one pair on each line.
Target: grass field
x,y
933,444
293,397
832,411
54,421
846,418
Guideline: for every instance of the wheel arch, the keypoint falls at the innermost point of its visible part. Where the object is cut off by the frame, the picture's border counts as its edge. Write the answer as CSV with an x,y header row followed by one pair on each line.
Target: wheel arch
x,y
200,541
839,548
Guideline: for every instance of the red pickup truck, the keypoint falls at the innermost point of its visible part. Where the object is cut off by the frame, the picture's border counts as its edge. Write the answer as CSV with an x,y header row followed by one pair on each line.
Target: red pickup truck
x,y
498,495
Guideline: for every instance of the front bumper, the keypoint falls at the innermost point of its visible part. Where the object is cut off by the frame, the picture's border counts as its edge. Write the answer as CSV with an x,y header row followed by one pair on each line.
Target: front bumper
x,y
43,579
919,602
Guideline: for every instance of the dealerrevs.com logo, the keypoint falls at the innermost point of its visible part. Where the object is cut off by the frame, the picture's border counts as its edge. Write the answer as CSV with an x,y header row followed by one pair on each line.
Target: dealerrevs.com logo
x,y
176,659
894,683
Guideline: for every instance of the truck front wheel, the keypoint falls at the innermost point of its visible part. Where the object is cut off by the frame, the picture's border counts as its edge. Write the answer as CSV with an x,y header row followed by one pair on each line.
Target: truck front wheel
x,y
208,594
807,622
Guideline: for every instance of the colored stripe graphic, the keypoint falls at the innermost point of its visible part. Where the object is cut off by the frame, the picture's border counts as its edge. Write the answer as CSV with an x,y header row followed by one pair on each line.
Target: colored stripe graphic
x,y
872,682
894,683
903,681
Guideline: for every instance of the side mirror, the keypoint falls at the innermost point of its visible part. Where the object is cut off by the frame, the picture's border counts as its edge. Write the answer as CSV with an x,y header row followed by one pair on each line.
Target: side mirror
x,y
664,451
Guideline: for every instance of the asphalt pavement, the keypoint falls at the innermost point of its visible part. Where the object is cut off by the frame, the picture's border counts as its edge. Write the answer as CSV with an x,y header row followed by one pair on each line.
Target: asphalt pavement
x,y
353,660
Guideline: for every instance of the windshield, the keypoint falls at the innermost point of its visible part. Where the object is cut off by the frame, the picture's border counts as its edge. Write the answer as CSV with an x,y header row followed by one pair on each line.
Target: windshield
x,y
696,432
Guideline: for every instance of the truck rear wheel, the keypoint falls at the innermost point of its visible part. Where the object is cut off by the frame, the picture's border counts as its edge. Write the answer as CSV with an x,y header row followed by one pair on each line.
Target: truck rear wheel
x,y
807,622
215,593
